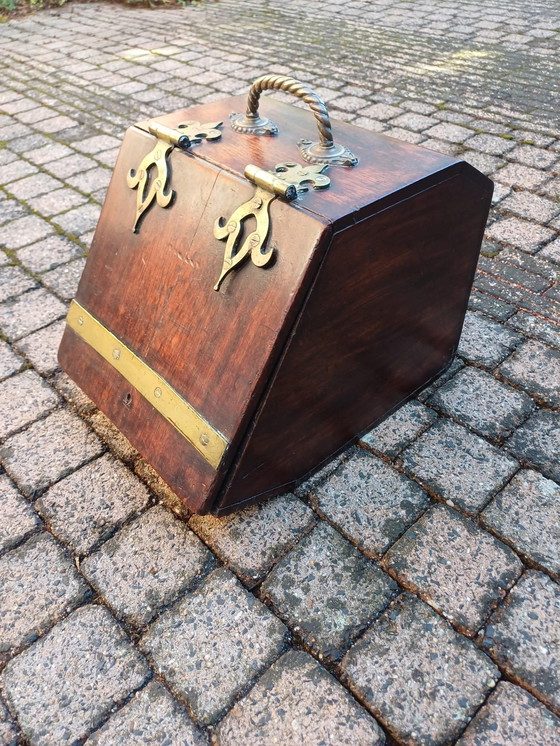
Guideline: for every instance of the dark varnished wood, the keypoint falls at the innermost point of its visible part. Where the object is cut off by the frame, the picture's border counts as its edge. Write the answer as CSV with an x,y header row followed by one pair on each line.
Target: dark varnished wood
x,y
362,306
382,320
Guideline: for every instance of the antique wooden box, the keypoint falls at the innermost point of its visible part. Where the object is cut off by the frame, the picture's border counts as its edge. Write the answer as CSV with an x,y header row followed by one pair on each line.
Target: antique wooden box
x,y
242,325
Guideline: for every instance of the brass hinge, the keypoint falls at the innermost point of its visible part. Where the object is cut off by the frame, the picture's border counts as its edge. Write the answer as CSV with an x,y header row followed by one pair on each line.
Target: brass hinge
x,y
286,181
186,134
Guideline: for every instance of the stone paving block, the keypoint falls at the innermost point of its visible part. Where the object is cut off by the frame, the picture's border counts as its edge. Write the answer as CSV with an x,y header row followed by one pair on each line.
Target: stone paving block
x,y
482,161
478,400
18,517
418,676
512,717
13,281
147,565
533,326
526,514
528,205
163,491
38,114
295,702
73,394
56,124
537,443
151,718
51,152
414,122
9,362
448,131
251,540
536,264
490,306
400,429
550,188
72,164
64,279
96,144
24,398
536,368
523,637
119,446
369,502
10,209
28,312
90,181
457,568
405,135
48,450
490,144
79,220
517,175
68,683
456,365
48,253
34,186
514,274
551,251
23,231
41,347
381,111
327,591
529,155
60,200
40,584
85,508
15,170
485,342
211,645
501,191
520,233
8,731
461,467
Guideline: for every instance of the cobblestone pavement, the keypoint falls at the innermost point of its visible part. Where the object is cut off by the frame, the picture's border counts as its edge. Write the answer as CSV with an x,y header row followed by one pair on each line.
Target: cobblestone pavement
x,y
409,593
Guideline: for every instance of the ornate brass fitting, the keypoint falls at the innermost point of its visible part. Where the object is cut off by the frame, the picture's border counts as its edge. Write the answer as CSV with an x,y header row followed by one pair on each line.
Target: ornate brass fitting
x,y
186,134
286,181
323,151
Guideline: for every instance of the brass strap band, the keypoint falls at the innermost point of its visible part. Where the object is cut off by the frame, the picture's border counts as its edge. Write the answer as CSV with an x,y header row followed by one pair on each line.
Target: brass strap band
x,y
210,443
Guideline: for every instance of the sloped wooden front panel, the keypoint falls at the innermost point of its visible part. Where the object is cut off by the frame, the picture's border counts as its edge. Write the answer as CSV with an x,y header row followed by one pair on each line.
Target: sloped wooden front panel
x,y
154,291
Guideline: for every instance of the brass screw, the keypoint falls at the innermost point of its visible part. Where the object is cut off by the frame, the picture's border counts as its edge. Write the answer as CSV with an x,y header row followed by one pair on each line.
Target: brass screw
x,y
116,353
257,202
157,392
81,320
231,226
204,439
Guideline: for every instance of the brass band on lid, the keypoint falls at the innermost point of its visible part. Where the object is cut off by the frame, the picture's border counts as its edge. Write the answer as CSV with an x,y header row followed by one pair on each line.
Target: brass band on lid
x,y
210,443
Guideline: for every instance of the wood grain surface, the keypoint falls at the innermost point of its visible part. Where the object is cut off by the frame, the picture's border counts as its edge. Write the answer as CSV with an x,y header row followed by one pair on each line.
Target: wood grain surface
x,y
362,306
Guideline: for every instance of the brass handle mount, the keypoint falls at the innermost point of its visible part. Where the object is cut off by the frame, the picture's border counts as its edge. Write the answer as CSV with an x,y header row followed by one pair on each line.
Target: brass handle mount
x,y
252,123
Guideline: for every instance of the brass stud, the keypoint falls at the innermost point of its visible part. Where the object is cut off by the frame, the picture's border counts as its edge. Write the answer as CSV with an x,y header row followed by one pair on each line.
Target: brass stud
x,y
204,439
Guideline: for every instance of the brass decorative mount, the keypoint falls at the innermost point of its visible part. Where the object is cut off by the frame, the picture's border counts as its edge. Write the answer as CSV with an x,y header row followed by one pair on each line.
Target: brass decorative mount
x,y
286,181
187,134
252,123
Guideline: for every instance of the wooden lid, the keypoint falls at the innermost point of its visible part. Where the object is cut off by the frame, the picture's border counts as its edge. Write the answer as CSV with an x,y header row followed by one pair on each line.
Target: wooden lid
x,y
386,166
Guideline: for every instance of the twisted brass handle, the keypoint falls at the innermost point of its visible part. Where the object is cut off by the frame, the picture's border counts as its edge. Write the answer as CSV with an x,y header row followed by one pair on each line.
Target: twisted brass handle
x,y
252,123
